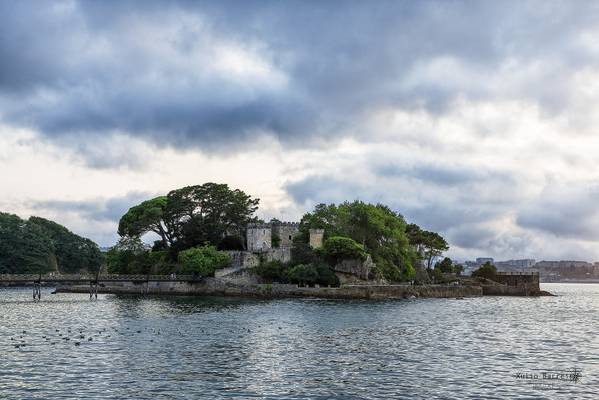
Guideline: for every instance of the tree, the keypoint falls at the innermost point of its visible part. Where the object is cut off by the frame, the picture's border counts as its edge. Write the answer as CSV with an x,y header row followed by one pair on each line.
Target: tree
x,y
149,216
209,212
428,245
445,266
126,256
337,248
272,271
458,269
487,270
191,216
73,252
203,260
381,231
40,245
303,274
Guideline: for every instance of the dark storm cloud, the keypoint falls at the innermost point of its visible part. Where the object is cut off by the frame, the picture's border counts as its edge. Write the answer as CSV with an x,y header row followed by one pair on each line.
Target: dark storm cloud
x,y
84,70
98,210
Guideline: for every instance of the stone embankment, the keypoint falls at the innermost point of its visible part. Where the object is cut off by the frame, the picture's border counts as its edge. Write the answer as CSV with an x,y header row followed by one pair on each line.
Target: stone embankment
x,y
216,287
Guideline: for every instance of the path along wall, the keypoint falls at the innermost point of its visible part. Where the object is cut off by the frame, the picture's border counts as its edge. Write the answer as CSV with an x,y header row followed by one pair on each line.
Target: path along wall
x,y
216,287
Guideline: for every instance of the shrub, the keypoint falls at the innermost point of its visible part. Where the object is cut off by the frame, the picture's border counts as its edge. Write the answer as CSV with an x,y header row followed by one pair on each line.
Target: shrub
x,y
310,274
339,248
302,253
272,271
203,260
275,240
303,274
326,277
487,270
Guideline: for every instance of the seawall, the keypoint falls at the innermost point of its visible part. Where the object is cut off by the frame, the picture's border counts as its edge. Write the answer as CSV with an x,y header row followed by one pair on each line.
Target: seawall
x,y
215,287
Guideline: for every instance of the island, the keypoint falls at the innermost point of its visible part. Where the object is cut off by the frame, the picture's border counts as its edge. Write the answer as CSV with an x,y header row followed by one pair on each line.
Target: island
x,y
210,235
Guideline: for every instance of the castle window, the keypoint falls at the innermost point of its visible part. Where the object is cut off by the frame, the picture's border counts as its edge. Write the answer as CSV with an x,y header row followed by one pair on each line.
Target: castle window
x,y
289,237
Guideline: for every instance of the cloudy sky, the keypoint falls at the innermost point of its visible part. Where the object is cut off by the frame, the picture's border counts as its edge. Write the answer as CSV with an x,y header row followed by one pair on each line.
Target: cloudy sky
x,y
477,119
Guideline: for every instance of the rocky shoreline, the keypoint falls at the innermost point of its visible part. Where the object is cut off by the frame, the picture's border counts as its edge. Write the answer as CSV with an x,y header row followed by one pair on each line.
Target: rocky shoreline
x,y
217,287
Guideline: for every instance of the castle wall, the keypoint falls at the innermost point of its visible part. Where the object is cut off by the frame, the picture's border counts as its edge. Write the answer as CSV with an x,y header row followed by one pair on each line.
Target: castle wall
x,y
316,238
259,237
286,231
282,254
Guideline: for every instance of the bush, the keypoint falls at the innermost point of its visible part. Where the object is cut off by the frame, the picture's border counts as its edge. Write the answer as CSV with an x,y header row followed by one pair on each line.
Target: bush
x,y
303,274
339,248
326,277
302,253
275,240
310,274
272,271
203,260
487,270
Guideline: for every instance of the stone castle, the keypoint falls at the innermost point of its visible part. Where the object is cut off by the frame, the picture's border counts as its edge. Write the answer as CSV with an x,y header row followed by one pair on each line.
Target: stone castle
x,y
273,242
260,245
259,237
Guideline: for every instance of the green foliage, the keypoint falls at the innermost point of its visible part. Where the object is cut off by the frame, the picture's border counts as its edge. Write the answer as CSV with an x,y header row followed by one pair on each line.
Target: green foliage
x,y
428,245
207,213
326,277
73,253
438,275
380,231
337,248
191,216
487,270
149,216
445,266
458,269
303,274
302,253
39,245
272,271
204,260
275,240
128,256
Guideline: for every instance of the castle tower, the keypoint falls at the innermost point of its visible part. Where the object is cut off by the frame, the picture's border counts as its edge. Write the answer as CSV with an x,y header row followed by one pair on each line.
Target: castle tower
x,y
316,238
286,231
259,237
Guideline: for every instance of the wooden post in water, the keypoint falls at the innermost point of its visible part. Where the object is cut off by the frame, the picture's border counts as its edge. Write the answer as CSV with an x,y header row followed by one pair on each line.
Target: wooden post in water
x,y
93,289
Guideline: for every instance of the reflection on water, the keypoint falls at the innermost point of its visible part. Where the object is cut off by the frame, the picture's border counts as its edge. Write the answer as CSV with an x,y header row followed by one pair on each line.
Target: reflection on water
x,y
188,347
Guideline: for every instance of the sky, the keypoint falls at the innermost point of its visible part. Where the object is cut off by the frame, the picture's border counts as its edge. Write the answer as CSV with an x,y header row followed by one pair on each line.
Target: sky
x,y
475,119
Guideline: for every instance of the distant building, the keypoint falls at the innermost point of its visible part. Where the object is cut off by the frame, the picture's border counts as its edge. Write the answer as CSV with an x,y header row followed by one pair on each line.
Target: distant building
x,y
515,265
482,260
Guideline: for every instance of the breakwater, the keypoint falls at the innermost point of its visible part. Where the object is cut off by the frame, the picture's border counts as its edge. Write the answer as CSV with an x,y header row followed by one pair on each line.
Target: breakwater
x,y
216,287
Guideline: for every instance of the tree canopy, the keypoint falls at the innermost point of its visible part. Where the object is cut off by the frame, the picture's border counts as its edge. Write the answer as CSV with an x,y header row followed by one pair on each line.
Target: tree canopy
x,y
191,216
381,232
428,245
40,245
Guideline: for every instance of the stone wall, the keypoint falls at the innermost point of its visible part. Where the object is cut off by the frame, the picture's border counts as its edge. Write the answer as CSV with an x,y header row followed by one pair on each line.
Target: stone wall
x,y
282,254
514,284
220,287
259,237
286,232
355,267
316,238
243,259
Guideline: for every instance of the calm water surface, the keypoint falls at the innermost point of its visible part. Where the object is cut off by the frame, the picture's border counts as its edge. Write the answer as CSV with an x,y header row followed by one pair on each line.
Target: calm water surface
x,y
162,348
